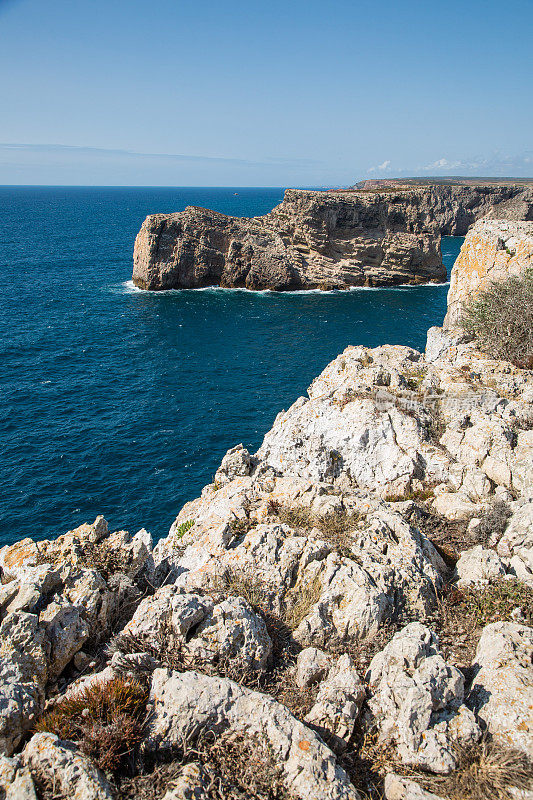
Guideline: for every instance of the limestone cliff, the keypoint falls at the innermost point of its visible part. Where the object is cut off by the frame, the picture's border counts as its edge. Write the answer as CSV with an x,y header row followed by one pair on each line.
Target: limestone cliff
x,y
492,250
311,240
330,240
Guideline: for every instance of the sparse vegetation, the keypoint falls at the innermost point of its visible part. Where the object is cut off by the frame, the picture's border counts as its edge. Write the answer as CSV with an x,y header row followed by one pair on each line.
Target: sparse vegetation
x,y
493,524
484,770
105,720
501,319
336,528
183,528
300,600
232,767
495,602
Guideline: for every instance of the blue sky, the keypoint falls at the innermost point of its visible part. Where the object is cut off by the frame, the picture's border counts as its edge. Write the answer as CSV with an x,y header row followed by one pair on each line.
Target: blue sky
x,y
275,93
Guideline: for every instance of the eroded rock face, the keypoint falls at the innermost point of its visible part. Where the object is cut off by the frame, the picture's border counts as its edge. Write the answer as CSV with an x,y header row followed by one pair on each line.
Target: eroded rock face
x,y
183,704
417,699
502,689
492,251
202,630
311,240
61,765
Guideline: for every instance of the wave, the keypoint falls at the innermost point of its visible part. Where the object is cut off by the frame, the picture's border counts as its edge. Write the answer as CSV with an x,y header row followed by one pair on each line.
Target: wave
x,y
128,287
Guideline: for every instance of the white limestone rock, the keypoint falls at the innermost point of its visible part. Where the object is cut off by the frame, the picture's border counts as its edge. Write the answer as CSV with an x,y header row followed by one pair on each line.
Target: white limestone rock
x,y
183,704
62,765
399,788
23,675
516,543
479,566
15,780
502,689
339,700
312,665
417,699
203,631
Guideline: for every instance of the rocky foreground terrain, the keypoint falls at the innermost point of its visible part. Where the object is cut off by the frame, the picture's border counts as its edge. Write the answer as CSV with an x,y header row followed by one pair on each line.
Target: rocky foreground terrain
x,y
345,614
373,236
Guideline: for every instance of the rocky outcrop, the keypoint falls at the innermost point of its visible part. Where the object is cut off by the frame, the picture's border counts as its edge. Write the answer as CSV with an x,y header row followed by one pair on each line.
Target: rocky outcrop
x,y
311,240
295,608
492,251
326,240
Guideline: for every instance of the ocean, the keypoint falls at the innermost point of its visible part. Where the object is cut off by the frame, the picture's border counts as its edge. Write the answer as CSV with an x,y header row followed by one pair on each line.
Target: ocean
x,y
121,402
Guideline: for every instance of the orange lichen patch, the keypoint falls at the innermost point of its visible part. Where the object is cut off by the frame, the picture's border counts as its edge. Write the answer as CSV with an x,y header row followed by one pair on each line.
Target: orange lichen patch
x,y
20,553
304,745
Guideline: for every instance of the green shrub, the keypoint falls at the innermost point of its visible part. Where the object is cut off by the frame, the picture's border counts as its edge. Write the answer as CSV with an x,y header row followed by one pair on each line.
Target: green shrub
x,y
184,527
501,319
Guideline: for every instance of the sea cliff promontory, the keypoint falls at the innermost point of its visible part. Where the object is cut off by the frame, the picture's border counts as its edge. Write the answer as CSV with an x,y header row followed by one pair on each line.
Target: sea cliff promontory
x,y
374,236
346,613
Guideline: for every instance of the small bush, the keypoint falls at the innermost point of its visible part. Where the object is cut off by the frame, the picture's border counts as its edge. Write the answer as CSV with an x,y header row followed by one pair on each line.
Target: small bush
x,y
105,720
184,527
493,524
501,319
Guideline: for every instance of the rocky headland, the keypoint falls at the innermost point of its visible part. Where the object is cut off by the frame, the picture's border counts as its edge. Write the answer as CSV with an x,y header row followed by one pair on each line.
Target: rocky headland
x,y
371,236
345,614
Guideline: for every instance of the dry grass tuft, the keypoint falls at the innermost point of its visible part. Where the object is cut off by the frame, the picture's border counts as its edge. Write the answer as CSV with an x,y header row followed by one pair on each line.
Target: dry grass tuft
x,y
334,528
300,600
485,770
231,767
105,720
492,603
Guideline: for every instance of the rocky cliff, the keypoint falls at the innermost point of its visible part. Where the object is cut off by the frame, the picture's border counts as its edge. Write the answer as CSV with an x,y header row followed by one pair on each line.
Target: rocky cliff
x,y
493,250
346,613
329,240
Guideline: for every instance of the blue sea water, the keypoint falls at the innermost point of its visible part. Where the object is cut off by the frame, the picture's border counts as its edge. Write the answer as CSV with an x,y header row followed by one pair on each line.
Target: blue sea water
x,y
122,402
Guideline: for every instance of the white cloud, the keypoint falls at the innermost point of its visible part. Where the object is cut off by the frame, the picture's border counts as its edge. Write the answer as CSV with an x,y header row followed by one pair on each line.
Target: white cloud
x,y
384,167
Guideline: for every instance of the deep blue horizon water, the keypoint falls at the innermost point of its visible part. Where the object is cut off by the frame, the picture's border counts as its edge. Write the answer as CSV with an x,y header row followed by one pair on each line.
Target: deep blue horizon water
x,y
121,402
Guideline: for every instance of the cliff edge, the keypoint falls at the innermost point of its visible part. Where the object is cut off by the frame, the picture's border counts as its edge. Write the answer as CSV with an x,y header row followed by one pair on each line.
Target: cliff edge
x,y
380,236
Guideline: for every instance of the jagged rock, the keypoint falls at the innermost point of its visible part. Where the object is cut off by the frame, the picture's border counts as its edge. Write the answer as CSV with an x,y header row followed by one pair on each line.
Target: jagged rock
x,y
493,250
60,764
417,699
202,630
479,565
15,780
399,788
23,675
312,239
236,463
312,665
191,784
339,700
454,506
502,689
183,704
516,544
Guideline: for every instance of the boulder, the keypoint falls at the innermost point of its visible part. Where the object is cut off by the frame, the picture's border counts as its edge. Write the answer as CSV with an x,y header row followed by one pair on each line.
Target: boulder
x,y
502,688
61,765
399,788
183,704
201,630
15,780
338,702
417,700
312,665
479,566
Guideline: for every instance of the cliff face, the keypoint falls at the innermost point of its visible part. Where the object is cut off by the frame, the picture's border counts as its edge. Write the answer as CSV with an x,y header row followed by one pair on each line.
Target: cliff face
x,y
492,250
311,240
330,240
